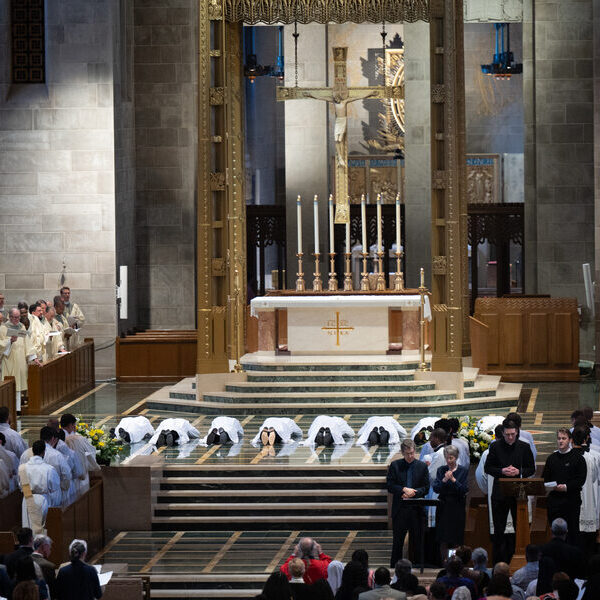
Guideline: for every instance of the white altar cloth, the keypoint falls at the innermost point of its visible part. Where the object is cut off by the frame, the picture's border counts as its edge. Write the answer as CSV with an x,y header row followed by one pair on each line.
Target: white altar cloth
x,y
407,301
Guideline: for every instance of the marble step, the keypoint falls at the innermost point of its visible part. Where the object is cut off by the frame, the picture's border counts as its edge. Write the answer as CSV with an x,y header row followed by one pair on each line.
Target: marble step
x,y
264,495
207,594
250,508
325,364
289,485
329,387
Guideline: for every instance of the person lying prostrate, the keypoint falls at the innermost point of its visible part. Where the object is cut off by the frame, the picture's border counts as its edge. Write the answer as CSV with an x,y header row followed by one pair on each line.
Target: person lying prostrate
x,y
381,431
326,431
173,431
223,430
134,429
277,429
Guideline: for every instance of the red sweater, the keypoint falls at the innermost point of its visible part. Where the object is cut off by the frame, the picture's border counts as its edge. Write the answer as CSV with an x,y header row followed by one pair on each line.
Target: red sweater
x,y
315,568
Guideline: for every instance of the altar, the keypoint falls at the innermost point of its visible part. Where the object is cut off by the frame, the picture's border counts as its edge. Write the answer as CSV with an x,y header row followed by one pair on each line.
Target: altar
x,y
339,323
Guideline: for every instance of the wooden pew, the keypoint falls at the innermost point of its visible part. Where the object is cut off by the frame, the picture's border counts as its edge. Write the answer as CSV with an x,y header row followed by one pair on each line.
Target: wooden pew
x,y
10,511
8,397
61,379
530,338
84,519
156,355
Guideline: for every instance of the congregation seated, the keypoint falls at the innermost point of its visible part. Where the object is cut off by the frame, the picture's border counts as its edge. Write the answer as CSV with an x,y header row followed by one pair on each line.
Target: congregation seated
x,y
406,581
78,580
309,551
306,591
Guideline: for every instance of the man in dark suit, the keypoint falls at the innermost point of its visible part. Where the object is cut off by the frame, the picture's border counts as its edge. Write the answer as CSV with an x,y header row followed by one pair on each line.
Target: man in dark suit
x,y
407,478
42,546
570,558
25,548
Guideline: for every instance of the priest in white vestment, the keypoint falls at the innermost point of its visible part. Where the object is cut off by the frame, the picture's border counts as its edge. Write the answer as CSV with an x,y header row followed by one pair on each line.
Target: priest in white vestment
x,y
285,428
338,427
182,427
37,335
396,432
134,429
83,449
14,442
231,426
55,343
72,311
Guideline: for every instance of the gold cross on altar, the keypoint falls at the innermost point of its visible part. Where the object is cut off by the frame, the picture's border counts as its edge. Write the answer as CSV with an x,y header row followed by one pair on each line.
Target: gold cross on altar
x,y
340,96
338,326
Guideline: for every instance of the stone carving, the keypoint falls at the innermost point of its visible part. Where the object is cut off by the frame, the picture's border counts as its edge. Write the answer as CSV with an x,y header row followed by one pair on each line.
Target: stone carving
x,y
438,265
482,179
217,96
217,181
215,9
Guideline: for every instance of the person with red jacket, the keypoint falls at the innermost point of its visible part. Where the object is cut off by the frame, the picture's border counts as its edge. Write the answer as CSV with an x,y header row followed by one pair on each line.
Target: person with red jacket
x,y
315,560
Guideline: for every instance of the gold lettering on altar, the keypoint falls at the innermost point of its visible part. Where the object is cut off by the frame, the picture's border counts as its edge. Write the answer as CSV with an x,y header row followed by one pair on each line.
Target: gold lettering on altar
x,y
337,327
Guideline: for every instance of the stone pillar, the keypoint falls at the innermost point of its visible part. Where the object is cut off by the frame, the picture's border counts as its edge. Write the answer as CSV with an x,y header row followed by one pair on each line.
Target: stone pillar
x,y
306,156
417,154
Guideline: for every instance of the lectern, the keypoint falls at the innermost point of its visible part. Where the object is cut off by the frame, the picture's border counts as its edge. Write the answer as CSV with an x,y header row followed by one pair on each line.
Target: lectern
x,y
515,487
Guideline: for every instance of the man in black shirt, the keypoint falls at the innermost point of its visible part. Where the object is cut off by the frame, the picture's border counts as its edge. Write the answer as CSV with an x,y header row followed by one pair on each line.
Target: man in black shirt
x,y
407,478
566,470
508,457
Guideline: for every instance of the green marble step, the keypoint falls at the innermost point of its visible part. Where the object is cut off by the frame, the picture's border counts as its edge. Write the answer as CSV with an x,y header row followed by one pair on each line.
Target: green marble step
x,y
479,392
329,397
330,366
309,376
330,387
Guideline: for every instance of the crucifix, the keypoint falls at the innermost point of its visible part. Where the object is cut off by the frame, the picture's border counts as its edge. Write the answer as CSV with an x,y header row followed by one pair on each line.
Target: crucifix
x,y
340,96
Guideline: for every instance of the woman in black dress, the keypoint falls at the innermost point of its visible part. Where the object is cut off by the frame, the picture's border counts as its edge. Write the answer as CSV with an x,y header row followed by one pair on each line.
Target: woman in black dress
x,y
451,483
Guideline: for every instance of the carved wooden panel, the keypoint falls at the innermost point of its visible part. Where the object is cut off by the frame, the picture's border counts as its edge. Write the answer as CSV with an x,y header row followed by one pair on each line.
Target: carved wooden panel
x,y
538,330
491,320
511,349
483,179
563,330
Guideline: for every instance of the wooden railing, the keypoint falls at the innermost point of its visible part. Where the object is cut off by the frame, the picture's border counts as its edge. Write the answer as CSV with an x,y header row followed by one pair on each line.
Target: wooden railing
x,y
479,333
61,379
84,519
8,397
156,355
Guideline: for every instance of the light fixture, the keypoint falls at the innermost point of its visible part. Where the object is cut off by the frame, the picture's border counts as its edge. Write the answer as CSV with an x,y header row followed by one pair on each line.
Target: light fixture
x,y
503,65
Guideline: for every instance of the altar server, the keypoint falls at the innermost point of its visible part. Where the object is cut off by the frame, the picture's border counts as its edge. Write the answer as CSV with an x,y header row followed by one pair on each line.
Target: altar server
x,y
84,450
14,441
326,431
173,431
13,353
223,430
276,429
134,429
381,431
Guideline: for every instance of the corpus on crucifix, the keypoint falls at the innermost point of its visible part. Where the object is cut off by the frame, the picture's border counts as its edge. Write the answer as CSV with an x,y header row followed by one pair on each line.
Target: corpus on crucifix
x,y
340,96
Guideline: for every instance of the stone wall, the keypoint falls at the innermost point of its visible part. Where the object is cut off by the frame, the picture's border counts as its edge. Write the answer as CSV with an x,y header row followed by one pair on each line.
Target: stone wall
x,y
165,75
559,149
57,169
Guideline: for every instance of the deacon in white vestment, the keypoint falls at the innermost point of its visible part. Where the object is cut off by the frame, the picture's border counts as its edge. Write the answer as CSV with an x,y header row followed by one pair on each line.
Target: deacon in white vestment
x,y
396,431
137,428
13,352
284,427
183,428
14,442
231,426
338,427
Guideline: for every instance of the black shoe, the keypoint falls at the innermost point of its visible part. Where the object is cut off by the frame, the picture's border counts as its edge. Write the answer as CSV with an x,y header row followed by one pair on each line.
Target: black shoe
x,y
170,438
384,436
223,437
373,437
175,436
319,437
147,436
124,435
327,437
212,438
111,434
161,441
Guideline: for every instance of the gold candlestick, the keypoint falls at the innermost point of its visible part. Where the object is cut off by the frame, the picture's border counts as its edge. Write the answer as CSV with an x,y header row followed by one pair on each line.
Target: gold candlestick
x,y
317,282
332,284
422,291
399,276
348,274
364,282
380,276
300,275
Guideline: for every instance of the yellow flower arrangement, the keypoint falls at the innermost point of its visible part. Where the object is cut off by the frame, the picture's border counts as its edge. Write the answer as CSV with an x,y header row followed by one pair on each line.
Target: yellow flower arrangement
x,y
107,448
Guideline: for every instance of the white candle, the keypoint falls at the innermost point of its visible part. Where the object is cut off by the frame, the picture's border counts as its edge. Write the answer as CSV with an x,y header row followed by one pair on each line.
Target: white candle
x,y
378,222
347,238
316,216
422,277
363,219
398,223
331,245
299,219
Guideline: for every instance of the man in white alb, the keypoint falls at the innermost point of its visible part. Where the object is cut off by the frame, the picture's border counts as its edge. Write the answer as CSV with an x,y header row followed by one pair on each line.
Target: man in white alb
x,y
134,429
14,441
277,429
223,430
14,347
327,431
381,431
84,450
173,431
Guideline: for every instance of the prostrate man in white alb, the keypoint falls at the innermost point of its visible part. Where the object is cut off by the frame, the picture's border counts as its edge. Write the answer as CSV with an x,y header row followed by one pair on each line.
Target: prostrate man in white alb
x,y
173,431
14,345
82,448
14,441
223,430
134,429
44,482
327,431
276,430
381,431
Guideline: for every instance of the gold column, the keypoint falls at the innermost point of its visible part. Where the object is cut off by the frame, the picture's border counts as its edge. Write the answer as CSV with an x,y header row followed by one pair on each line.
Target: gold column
x,y
448,199
221,243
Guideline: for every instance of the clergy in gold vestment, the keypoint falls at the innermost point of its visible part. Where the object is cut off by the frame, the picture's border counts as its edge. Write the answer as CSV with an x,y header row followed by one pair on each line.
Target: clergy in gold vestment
x,y
36,333
53,330
14,350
